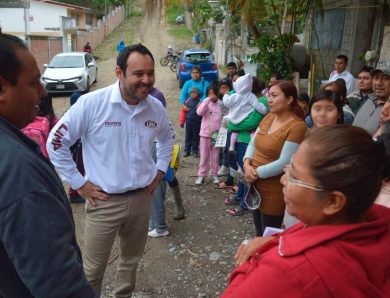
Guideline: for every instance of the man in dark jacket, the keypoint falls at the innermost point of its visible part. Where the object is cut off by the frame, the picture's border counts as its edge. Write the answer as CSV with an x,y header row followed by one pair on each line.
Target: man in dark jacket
x,y
231,71
39,256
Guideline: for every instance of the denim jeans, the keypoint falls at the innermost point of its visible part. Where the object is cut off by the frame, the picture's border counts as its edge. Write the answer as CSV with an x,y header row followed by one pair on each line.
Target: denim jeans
x,y
242,187
157,211
192,137
157,214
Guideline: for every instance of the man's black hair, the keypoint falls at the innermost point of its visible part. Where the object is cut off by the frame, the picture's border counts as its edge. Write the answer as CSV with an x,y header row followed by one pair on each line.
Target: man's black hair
x,y
367,68
232,64
345,58
10,65
241,72
304,97
121,60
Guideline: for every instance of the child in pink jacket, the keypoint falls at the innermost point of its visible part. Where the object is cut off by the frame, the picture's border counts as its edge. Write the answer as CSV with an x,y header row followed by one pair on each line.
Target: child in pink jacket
x,y
211,112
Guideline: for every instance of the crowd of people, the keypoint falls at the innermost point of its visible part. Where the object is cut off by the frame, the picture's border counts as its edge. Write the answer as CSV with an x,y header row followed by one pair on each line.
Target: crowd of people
x,y
317,167
297,163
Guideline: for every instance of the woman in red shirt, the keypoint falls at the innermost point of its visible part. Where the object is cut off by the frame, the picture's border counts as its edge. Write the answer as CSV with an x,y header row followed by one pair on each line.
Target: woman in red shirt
x,y
341,246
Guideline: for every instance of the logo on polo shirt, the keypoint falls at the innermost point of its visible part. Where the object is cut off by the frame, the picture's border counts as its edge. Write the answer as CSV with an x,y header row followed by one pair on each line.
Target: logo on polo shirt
x,y
150,123
112,123
58,135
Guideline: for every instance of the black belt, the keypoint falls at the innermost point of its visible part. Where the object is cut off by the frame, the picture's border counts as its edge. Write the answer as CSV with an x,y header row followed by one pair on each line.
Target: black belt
x,y
126,192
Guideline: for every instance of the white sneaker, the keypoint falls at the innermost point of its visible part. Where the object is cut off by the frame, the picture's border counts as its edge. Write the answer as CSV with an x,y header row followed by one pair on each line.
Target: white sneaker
x,y
155,234
216,180
199,180
223,171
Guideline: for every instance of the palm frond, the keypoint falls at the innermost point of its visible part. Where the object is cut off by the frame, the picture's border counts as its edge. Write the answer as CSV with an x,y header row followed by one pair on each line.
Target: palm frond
x,y
306,6
252,12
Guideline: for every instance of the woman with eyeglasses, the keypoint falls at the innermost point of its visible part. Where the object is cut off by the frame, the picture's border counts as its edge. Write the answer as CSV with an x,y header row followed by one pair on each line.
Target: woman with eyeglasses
x,y
276,139
341,246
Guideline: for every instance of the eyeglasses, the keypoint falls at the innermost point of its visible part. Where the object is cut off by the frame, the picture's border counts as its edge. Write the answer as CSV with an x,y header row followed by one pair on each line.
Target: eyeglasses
x,y
290,180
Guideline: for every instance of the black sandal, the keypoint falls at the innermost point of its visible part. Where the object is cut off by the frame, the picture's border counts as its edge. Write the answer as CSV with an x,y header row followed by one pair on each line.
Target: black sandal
x,y
239,211
232,200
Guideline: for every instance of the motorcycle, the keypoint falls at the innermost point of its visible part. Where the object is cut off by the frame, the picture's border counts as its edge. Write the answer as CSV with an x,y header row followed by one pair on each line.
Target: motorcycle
x,y
172,58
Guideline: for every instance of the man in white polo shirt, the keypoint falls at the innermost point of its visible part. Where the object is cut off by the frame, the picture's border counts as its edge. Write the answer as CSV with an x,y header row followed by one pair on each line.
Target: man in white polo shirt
x,y
117,125
341,72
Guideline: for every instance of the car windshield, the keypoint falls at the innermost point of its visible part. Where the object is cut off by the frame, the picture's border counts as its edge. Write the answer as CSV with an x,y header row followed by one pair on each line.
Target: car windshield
x,y
198,57
67,62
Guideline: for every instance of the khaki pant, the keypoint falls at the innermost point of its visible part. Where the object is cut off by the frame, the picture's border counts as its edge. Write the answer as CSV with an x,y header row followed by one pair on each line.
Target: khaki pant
x,y
126,216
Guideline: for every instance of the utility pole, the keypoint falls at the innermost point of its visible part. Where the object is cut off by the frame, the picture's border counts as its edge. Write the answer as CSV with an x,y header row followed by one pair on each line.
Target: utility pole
x,y
226,31
26,6
127,9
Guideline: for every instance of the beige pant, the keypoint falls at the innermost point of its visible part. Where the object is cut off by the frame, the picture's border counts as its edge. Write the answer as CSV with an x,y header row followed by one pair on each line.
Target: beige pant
x,y
126,216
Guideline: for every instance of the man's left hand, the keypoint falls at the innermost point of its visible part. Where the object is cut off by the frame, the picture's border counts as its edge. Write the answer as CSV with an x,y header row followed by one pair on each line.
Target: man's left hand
x,y
152,186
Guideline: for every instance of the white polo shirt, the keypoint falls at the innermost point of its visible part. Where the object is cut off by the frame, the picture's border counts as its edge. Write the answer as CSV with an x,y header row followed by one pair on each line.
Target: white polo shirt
x,y
116,141
350,81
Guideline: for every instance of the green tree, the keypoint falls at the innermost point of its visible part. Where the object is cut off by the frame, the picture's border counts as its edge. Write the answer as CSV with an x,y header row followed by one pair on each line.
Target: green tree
x,y
102,4
201,9
202,12
274,49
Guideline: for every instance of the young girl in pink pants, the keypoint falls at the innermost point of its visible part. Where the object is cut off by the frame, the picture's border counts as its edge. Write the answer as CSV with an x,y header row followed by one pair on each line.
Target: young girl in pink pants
x,y
211,114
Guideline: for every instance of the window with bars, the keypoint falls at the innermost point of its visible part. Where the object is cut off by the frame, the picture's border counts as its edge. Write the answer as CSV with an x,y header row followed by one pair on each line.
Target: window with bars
x,y
76,17
89,19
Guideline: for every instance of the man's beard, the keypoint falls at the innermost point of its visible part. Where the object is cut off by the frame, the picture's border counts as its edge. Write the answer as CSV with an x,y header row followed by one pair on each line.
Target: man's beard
x,y
133,96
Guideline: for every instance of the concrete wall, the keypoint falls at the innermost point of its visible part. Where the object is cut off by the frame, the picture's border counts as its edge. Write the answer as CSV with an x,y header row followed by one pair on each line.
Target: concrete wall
x,y
99,33
52,17
8,16
385,50
47,43
360,25
362,34
41,16
44,48
220,47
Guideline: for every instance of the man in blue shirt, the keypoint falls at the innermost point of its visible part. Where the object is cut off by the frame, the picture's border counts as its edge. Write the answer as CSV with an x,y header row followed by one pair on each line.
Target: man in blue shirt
x,y
39,255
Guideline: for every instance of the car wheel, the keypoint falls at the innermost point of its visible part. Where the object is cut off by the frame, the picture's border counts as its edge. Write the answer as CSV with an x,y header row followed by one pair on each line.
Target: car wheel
x,y
164,61
181,83
88,87
96,76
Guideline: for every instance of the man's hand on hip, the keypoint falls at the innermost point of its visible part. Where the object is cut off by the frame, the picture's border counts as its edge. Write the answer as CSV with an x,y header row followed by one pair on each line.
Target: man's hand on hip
x,y
91,192
152,186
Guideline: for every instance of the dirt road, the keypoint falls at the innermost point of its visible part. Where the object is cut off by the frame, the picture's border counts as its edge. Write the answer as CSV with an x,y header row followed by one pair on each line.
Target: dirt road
x,y
196,258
